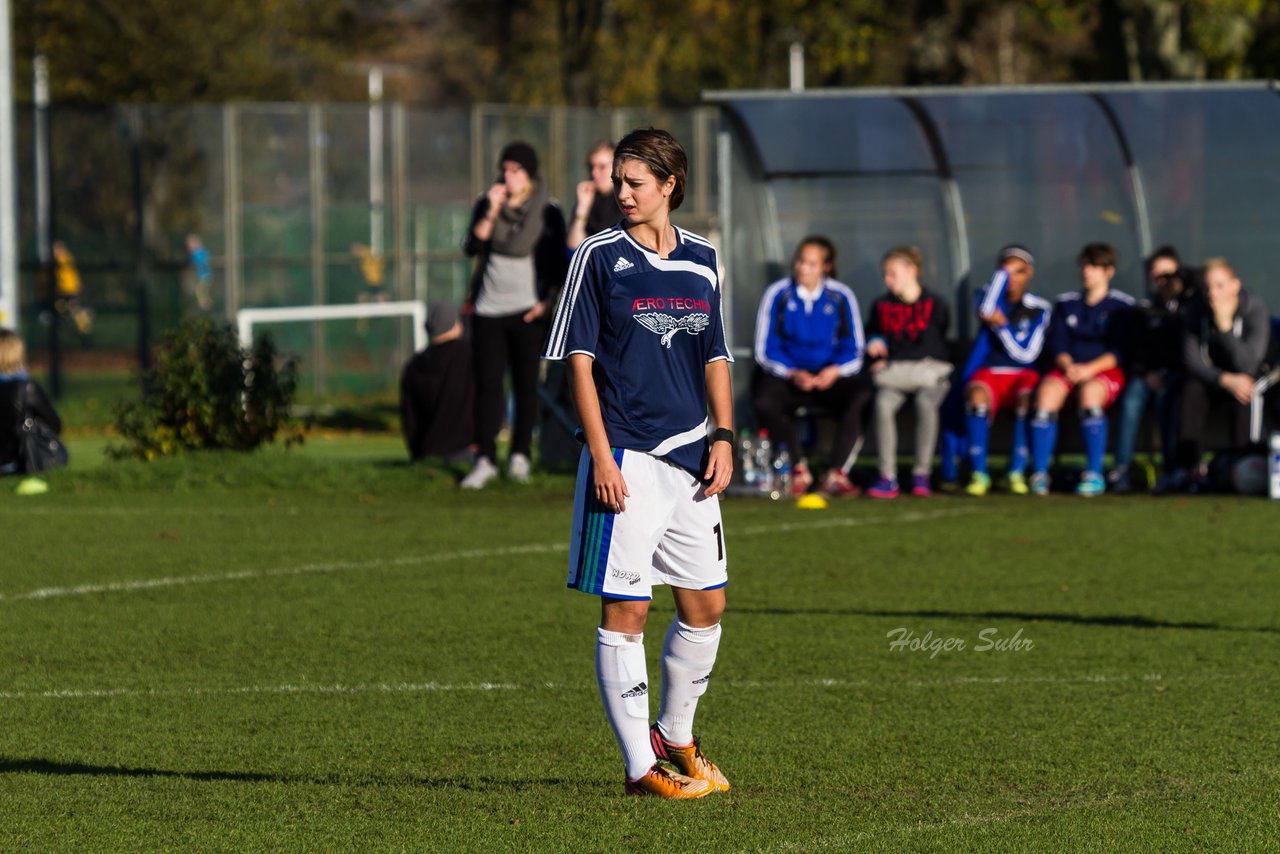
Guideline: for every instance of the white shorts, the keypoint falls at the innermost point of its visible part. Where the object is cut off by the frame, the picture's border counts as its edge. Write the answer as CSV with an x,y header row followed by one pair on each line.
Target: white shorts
x,y
670,532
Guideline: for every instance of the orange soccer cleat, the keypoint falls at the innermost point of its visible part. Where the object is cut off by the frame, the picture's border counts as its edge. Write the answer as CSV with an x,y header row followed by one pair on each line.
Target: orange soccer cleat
x,y
688,760
661,783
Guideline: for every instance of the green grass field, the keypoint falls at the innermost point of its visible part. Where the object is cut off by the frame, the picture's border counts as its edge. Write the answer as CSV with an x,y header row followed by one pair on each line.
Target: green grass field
x,y
325,649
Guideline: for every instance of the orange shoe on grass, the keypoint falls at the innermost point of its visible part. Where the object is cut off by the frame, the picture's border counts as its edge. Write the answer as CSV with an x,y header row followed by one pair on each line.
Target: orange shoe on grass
x,y
661,783
688,760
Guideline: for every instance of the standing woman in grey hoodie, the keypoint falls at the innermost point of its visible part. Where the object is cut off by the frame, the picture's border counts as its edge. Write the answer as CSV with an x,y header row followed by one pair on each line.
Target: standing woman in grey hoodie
x,y
517,234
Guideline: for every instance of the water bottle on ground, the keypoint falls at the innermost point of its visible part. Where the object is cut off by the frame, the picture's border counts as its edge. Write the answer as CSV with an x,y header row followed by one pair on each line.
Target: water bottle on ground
x,y
1274,460
781,473
747,459
764,463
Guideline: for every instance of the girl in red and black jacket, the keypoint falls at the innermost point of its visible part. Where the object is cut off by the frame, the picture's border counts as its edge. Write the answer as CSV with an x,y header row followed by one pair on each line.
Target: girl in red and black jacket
x,y
907,346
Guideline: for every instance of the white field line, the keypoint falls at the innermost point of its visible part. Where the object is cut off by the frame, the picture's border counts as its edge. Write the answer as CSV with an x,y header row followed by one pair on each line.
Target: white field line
x,y
413,560
489,687
151,512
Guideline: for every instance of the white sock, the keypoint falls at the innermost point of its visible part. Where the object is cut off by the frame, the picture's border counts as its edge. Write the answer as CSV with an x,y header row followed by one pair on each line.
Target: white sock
x,y
688,654
624,687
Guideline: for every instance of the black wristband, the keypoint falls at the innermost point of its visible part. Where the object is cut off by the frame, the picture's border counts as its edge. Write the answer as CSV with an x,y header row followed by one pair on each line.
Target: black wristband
x,y
722,434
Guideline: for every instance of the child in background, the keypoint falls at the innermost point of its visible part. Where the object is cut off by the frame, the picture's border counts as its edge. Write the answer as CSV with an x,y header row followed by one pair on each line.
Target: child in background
x,y
1003,363
1087,339
906,331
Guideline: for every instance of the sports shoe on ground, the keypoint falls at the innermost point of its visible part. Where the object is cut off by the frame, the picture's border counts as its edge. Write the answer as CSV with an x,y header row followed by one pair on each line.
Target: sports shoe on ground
x,y
979,484
31,486
837,485
1018,483
481,473
920,486
1091,484
661,783
518,468
688,759
884,487
1173,482
801,480
1039,483
1118,482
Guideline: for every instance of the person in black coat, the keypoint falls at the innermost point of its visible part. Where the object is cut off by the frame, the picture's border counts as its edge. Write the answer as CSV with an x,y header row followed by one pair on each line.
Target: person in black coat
x,y
1226,335
437,391
29,425
517,236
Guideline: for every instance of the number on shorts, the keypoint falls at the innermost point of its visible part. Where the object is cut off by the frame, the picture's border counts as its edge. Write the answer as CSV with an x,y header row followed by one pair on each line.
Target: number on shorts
x,y
719,542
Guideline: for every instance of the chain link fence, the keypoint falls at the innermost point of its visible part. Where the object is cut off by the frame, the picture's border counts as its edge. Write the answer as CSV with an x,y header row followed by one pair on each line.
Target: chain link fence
x,y
296,204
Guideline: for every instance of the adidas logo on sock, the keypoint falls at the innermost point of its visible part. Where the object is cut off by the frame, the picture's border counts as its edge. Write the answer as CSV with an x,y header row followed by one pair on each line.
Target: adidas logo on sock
x,y
640,690
703,680
623,264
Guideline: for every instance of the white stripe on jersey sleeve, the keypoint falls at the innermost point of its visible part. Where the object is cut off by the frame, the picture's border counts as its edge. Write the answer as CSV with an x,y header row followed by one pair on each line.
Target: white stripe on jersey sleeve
x,y
765,317
1029,353
991,296
851,367
568,296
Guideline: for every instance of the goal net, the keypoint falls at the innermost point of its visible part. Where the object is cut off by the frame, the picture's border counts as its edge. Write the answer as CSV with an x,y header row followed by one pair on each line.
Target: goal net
x,y
356,348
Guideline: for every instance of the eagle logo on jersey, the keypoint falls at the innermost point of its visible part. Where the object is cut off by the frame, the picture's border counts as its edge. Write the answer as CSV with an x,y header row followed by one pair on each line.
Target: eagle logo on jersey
x,y
667,326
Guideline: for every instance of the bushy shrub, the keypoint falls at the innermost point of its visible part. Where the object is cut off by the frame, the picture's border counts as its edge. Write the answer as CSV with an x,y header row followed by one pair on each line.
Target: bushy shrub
x,y
205,391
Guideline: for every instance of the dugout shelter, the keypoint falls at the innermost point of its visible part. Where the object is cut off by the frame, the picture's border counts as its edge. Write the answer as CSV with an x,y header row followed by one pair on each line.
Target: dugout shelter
x,y
962,171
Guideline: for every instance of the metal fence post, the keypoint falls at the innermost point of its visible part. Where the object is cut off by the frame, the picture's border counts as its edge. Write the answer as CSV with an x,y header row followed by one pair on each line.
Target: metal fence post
x,y
315,138
231,206
480,170
399,197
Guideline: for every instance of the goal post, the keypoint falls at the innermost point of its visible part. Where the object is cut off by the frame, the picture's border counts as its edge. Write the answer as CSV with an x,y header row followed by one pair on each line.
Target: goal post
x,y
246,318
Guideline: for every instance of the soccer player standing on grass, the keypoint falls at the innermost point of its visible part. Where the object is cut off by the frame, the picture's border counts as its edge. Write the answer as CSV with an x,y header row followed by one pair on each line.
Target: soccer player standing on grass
x,y
639,323
1087,338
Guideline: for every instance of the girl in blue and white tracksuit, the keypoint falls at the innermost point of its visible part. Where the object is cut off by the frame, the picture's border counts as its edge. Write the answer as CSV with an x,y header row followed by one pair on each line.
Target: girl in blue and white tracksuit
x,y
809,349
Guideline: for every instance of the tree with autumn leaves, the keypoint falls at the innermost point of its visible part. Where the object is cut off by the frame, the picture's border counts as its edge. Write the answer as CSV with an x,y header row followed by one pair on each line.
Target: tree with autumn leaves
x,y
623,52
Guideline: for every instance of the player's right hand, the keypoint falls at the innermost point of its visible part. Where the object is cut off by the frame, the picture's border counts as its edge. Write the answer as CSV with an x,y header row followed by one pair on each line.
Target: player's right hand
x,y
610,488
497,196
586,195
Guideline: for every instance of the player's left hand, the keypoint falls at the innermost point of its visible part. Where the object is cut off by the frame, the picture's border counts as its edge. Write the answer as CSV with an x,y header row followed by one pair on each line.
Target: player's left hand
x,y
1078,373
826,377
996,319
719,468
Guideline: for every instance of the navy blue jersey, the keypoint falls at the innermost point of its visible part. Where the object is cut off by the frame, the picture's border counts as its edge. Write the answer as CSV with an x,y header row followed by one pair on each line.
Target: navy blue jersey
x,y
795,330
1086,332
651,324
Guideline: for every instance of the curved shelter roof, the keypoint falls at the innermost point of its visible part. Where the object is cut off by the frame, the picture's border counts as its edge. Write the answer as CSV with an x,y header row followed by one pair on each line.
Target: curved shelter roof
x,y
962,171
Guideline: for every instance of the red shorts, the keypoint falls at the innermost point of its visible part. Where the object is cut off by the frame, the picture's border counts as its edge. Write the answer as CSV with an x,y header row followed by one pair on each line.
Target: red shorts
x,y
1005,385
1112,379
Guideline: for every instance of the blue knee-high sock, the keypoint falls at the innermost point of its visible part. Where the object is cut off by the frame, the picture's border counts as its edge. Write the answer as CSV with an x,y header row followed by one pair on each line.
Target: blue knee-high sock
x,y
1093,424
1044,436
1018,460
949,456
979,430
951,442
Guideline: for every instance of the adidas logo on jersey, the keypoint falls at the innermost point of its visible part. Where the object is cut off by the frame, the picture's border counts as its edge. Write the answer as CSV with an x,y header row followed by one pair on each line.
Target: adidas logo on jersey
x,y
623,264
640,690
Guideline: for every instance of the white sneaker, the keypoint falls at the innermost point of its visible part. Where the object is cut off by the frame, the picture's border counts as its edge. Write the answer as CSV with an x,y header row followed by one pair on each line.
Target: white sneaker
x,y
483,472
518,468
